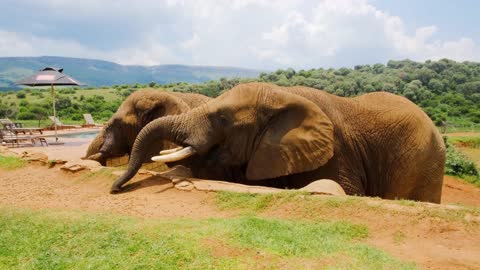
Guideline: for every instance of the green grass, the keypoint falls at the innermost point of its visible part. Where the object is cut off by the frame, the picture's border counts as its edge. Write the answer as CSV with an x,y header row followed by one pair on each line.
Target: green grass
x,y
47,122
472,179
59,240
257,202
466,141
463,161
459,128
105,172
11,162
252,202
108,94
310,207
399,237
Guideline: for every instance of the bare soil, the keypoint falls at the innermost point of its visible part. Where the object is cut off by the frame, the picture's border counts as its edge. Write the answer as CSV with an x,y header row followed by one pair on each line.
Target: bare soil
x,y
431,243
456,191
462,134
39,187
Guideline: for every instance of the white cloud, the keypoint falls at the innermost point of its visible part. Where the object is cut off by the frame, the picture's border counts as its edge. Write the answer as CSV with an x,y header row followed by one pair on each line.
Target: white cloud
x,y
148,52
336,26
249,33
191,43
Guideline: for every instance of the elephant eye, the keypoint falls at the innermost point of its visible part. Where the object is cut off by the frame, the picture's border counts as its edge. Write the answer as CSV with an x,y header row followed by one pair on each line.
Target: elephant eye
x,y
223,119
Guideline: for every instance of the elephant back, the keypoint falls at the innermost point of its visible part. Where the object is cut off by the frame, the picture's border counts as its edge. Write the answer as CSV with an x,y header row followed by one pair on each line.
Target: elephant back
x,y
193,100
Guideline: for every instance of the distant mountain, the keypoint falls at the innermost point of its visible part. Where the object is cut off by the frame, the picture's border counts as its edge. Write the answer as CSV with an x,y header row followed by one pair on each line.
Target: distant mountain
x,y
104,73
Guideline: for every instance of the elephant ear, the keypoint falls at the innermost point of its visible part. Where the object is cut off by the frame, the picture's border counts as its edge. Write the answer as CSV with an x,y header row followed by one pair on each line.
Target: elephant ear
x,y
297,138
157,105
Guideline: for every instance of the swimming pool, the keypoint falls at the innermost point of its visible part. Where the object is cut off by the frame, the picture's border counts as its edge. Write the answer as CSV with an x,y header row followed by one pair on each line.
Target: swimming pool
x,y
82,135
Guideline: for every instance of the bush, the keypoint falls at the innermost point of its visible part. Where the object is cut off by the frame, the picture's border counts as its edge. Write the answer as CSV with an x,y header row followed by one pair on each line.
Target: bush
x,y
21,95
458,164
26,115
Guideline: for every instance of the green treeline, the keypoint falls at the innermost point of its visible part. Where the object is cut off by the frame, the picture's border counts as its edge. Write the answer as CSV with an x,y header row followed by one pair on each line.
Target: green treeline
x,y
448,91
445,89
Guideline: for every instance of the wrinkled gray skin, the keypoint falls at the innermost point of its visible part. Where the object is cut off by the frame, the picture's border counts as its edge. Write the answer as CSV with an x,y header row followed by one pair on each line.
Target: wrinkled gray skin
x,y
377,144
140,108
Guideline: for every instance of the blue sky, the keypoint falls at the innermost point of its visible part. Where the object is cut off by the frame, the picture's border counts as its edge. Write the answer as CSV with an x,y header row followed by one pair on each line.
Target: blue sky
x,y
261,34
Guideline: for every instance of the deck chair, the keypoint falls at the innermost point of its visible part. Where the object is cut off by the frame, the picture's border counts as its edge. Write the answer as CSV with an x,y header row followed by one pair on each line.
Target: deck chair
x,y
7,123
59,124
8,137
89,122
18,127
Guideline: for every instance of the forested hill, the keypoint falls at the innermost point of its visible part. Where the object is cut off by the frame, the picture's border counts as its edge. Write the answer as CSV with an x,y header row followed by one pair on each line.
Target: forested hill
x,y
448,91
99,73
445,89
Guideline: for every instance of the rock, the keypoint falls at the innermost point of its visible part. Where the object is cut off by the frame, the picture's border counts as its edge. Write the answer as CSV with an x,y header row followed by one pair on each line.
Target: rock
x,y
470,217
39,157
79,165
185,185
324,186
176,173
212,185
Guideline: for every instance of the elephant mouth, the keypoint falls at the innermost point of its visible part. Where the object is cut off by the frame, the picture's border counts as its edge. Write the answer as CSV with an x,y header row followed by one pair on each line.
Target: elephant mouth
x,y
175,154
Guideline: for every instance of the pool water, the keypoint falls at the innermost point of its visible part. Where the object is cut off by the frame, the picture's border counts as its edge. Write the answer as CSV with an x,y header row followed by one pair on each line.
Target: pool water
x,y
82,135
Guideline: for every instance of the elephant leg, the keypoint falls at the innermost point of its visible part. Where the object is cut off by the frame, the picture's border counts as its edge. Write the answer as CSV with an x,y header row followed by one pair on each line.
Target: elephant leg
x,y
428,187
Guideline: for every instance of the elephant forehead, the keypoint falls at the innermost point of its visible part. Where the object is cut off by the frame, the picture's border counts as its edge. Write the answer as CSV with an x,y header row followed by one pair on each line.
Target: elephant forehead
x,y
130,119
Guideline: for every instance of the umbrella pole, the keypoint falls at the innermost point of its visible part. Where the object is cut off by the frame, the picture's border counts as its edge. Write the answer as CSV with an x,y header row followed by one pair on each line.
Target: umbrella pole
x,y
54,115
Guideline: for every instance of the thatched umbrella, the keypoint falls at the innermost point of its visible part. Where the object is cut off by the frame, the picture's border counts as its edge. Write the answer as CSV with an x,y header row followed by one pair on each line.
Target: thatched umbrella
x,y
49,77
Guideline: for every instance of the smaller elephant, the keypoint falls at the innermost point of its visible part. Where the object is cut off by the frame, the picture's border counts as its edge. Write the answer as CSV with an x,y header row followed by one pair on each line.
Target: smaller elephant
x,y
140,108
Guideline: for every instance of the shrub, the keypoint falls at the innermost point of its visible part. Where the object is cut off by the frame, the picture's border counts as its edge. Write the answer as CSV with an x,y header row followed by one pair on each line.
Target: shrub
x,y
21,95
26,115
458,164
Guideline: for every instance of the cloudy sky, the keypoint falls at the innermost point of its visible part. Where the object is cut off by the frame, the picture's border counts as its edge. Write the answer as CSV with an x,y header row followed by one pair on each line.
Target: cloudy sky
x,y
261,34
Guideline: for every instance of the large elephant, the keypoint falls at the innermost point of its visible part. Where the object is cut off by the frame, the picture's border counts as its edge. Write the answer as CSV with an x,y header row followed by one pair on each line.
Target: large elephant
x,y
140,108
377,144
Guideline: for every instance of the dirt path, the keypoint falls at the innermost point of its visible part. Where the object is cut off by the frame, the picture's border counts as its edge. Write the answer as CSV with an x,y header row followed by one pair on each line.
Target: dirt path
x,y
38,187
432,243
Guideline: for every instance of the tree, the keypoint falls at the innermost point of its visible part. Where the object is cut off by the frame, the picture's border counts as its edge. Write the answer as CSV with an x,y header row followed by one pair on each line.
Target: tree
x,y
39,113
153,85
436,86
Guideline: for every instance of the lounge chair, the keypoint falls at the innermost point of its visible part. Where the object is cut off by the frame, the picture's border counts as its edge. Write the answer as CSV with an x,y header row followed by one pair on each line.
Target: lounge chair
x,y
18,127
60,125
89,122
9,137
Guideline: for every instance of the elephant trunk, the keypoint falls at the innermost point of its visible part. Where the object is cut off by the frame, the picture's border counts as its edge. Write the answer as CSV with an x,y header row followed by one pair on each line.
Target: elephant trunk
x,y
93,151
165,128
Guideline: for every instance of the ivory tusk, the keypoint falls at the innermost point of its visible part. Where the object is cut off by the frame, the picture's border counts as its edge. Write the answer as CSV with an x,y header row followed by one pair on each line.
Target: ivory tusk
x,y
169,151
179,155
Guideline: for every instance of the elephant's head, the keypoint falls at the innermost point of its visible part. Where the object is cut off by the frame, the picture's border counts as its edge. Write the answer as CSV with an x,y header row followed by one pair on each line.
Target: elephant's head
x,y
140,108
256,126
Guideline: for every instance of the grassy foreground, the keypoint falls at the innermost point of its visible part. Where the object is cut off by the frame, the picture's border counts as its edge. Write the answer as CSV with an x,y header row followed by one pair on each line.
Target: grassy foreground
x,y
71,240
11,162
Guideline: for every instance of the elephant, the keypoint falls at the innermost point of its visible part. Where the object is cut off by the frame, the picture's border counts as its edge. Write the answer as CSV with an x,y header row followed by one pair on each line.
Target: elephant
x,y
377,144
141,107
